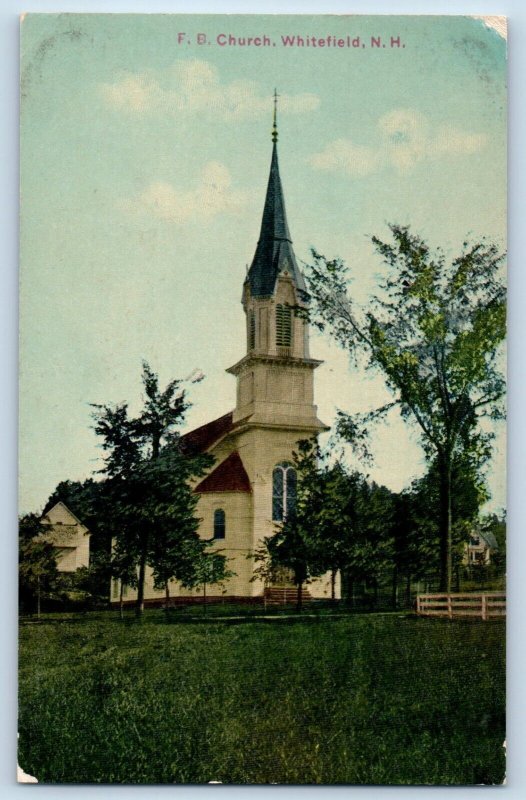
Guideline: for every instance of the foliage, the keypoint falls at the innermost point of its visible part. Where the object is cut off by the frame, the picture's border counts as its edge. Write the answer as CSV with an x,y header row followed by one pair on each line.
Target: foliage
x,y
82,498
368,699
37,569
207,568
355,525
433,332
88,501
341,522
148,496
293,546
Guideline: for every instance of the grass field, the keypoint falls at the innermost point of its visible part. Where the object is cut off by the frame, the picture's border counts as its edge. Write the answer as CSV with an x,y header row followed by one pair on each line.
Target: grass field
x,y
376,698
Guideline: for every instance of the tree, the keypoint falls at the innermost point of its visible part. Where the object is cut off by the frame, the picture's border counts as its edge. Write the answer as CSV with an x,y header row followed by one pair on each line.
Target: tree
x,y
37,571
294,546
360,531
207,568
147,484
123,568
340,523
433,332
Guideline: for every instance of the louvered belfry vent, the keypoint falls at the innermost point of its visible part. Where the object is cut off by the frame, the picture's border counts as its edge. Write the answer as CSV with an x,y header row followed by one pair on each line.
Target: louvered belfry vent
x,y
252,331
283,325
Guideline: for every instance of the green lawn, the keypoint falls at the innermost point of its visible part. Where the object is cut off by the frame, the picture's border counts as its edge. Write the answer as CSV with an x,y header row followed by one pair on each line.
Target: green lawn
x,y
364,699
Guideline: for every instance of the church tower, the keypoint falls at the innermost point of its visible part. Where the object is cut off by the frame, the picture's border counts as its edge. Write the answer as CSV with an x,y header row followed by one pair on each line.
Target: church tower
x,y
251,487
275,377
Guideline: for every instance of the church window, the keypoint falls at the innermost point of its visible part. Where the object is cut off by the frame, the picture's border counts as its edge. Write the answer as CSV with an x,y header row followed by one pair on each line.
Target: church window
x,y
251,331
283,325
283,491
219,524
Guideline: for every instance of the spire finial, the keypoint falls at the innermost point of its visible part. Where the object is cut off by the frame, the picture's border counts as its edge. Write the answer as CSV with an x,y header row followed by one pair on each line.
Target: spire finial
x,y
274,120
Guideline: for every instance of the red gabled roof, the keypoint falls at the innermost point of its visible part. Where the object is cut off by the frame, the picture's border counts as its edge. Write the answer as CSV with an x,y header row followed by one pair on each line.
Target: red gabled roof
x,y
200,439
229,476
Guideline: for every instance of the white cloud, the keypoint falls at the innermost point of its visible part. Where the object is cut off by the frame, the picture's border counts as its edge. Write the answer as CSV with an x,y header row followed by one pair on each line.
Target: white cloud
x,y
194,86
405,139
342,154
213,195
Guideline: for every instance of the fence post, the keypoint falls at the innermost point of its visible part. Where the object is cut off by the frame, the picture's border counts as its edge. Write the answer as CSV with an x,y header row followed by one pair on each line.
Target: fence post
x,y
449,607
418,604
484,607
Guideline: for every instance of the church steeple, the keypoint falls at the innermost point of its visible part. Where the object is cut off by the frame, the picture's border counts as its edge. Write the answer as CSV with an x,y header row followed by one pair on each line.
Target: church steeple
x,y
275,377
274,253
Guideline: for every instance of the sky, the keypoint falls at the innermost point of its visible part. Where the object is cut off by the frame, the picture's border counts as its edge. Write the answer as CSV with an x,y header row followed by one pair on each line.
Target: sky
x,y
145,157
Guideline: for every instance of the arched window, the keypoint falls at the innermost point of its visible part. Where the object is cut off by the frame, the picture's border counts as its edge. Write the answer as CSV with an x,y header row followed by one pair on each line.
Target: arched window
x,y
283,491
283,325
251,331
219,524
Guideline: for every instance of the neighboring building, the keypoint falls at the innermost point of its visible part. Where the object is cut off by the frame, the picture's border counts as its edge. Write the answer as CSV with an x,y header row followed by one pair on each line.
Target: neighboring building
x,y
253,482
480,548
69,537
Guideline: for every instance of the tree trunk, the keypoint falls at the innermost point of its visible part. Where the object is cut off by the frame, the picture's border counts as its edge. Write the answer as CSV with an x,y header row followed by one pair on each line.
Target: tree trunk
x,y
121,600
408,590
139,608
167,594
375,592
38,596
350,592
333,585
204,598
394,588
445,525
298,596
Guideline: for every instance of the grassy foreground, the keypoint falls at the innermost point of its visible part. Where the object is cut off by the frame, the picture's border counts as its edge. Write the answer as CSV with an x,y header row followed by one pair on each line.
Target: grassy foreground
x,y
383,699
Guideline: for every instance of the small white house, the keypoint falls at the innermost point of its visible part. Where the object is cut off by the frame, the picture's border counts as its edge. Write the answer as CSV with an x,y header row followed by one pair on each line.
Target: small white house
x,y
480,548
69,537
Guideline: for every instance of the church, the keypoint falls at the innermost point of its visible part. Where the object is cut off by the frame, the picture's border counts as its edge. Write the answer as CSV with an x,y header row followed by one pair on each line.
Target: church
x,y
252,483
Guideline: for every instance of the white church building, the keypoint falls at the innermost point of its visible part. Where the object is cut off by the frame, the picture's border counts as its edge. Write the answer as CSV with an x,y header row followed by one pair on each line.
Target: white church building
x,y
252,483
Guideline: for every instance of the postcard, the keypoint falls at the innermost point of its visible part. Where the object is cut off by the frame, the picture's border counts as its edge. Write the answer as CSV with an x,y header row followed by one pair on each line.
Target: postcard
x,y
262,383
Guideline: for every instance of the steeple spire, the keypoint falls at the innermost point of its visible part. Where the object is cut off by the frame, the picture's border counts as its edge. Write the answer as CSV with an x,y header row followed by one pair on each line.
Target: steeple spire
x,y
274,253
274,121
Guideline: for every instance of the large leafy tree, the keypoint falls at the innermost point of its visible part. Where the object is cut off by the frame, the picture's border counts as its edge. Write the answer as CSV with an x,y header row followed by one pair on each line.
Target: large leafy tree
x,y
433,332
355,528
147,485
340,523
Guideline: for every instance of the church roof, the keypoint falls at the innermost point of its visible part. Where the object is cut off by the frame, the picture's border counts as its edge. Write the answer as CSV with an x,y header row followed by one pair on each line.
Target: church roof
x,y
274,252
202,438
229,476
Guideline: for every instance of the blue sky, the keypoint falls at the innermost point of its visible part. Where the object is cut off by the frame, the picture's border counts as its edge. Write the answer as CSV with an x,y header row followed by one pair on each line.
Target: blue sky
x,y
144,166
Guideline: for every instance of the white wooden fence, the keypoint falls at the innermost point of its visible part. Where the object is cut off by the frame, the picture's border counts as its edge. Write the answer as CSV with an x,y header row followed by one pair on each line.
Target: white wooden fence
x,y
486,605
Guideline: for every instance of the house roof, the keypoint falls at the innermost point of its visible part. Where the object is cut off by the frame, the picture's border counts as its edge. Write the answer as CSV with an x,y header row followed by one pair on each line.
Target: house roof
x,y
274,253
46,519
229,476
202,438
489,538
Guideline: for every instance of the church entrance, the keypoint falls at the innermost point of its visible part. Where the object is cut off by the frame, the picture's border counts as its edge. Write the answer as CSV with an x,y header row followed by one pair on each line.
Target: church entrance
x,y
282,589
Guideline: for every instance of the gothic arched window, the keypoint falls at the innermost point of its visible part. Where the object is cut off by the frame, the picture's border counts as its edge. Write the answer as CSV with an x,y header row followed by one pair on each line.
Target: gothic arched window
x,y
283,325
219,524
283,491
